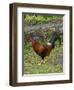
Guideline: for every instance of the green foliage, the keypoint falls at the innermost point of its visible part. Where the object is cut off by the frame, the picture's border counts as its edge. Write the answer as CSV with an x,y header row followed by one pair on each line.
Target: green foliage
x,y
31,60
39,19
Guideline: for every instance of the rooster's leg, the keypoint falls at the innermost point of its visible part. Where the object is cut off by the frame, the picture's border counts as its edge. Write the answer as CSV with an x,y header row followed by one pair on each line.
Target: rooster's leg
x,y
42,61
45,60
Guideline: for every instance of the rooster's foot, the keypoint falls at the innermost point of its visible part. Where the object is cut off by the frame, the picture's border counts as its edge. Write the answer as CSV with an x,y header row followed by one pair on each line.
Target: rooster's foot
x,y
39,63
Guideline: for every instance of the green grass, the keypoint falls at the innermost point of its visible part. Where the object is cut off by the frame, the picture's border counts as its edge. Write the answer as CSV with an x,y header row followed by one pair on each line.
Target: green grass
x,y
31,61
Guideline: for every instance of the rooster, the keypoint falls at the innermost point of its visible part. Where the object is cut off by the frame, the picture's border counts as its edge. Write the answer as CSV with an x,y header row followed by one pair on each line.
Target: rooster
x,y
45,50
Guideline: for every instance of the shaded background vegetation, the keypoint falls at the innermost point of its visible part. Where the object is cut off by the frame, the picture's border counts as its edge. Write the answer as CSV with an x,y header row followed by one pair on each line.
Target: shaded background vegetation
x,y
54,62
